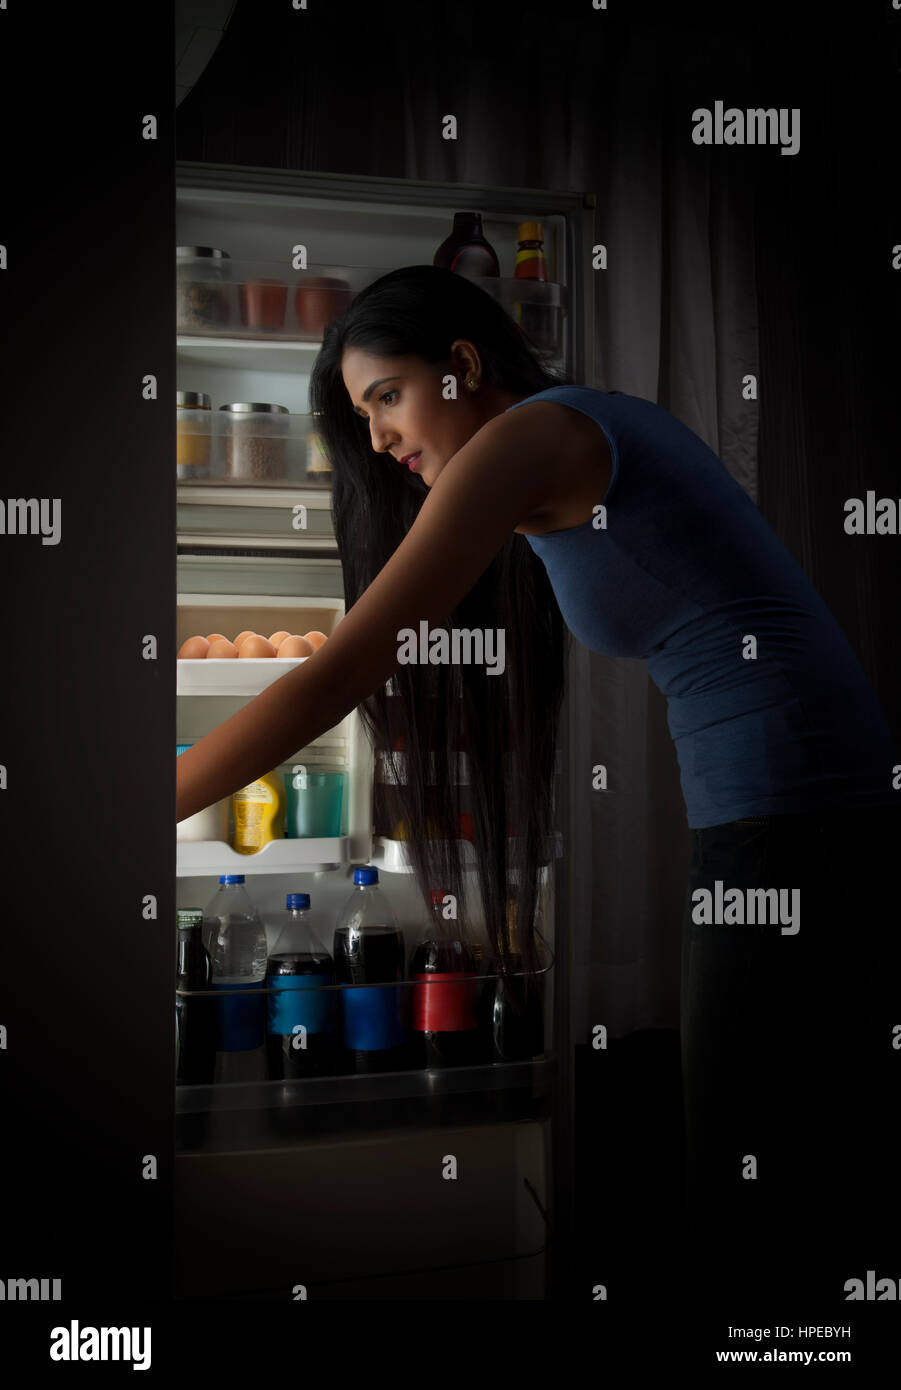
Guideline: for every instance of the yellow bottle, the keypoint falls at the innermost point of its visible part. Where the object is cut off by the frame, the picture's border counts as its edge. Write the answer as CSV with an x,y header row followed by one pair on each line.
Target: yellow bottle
x,y
259,812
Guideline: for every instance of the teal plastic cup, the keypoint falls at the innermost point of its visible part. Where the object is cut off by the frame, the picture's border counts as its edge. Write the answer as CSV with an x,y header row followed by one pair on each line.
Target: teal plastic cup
x,y
314,804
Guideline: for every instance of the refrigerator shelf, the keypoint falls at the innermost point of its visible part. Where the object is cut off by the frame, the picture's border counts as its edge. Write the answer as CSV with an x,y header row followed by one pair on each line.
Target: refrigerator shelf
x,y
232,677
268,354
305,1114
209,858
391,855
229,614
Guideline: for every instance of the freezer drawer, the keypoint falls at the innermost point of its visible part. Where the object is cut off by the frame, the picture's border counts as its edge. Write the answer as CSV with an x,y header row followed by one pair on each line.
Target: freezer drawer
x,y
368,1217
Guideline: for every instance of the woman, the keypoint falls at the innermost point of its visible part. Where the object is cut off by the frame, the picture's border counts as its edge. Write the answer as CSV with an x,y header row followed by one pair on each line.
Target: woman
x,y
473,490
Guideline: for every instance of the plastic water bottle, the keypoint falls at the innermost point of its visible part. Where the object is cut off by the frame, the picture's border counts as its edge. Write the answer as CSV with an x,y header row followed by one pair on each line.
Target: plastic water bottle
x,y
300,1011
369,951
236,944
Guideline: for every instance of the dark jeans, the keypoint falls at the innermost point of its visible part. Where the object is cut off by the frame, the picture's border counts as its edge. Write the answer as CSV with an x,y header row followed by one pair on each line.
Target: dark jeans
x,y
791,1070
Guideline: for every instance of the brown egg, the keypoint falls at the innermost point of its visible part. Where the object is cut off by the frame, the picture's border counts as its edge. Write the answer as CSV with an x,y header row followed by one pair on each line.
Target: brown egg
x,y
195,649
221,650
278,638
243,636
256,646
215,637
315,639
294,646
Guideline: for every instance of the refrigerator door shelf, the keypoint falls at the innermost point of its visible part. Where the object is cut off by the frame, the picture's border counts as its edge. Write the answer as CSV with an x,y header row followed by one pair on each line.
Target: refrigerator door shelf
x,y
234,677
392,856
204,858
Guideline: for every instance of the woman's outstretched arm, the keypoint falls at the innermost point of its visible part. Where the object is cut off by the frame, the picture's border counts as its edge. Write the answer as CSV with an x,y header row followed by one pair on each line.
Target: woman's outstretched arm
x,y
506,471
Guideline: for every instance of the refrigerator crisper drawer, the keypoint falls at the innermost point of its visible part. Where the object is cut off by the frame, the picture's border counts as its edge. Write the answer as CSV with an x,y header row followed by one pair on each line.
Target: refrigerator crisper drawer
x,y
372,1217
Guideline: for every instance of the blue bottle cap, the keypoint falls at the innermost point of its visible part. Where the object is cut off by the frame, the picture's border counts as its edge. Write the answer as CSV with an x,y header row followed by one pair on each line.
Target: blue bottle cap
x,y
366,875
231,878
182,748
297,900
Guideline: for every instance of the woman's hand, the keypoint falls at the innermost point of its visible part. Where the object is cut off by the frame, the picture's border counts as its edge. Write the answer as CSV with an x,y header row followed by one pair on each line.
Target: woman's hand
x,y
502,474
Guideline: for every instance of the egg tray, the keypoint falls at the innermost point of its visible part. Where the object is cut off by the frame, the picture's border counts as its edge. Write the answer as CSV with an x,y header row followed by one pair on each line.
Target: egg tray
x,y
232,675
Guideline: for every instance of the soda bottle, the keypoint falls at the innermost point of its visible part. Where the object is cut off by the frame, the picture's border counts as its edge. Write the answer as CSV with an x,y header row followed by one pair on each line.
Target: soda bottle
x,y
445,1026
236,942
195,1022
514,1006
300,1015
369,951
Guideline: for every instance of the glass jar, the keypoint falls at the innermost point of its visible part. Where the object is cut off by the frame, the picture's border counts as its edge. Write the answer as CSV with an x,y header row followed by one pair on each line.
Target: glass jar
x,y
256,441
319,469
203,289
193,419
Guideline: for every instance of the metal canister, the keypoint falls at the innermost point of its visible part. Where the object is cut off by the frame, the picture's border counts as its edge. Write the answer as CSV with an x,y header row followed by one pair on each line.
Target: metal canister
x,y
203,289
256,441
193,420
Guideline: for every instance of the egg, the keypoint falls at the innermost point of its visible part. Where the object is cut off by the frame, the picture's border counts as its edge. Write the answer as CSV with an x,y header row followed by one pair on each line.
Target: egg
x,y
293,647
195,649
278,638
256,646
315,639
243,636
215,637
221,650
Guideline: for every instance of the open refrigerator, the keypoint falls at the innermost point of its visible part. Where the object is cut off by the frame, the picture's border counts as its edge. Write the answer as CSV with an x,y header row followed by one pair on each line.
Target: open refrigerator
x,y
337,1185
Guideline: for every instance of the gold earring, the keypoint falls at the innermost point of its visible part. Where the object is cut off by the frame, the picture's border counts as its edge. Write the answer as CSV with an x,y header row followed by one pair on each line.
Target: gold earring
x,y
473,385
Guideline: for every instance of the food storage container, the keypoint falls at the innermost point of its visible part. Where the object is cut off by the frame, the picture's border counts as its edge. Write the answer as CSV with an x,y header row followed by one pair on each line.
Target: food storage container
x,y
255,446
203,289
193,419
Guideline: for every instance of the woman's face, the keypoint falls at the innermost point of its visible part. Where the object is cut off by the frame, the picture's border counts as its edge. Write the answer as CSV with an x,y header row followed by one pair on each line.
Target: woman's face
x,y
402,399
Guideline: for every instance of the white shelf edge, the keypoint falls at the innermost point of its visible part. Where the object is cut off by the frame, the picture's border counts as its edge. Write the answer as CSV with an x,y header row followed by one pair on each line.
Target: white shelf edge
x,y
195,340
249,678
236,495
203,858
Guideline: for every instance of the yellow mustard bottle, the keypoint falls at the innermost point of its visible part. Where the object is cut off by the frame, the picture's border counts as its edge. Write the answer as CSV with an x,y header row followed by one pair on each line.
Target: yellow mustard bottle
x,y
259,814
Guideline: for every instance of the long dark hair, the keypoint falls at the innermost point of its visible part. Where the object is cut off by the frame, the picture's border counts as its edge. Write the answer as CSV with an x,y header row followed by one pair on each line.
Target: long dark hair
x,y
506,724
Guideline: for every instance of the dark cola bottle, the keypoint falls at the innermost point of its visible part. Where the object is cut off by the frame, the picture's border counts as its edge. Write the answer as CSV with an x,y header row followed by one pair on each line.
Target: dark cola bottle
x,y
444,966
195,1019
301,1011
369,958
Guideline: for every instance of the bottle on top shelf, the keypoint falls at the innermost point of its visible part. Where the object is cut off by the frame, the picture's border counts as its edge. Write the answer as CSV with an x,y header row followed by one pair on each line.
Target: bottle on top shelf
x,y
466,250
537,320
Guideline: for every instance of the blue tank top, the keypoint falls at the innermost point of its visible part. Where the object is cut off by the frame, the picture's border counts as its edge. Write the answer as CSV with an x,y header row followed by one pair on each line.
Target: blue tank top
x,y
686,572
